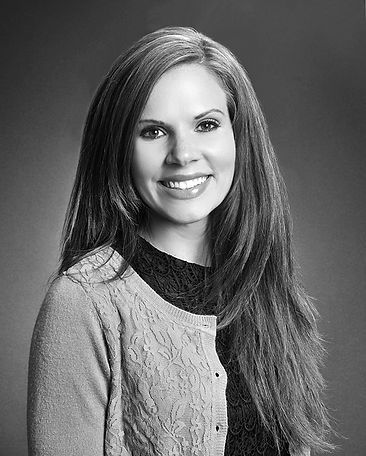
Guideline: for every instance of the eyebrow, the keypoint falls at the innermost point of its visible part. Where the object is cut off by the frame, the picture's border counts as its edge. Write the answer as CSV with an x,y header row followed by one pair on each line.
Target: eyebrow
x,y
199,116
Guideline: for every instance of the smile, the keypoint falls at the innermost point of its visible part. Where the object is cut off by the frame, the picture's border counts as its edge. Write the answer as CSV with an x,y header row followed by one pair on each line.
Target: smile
x,y
185,189
184,185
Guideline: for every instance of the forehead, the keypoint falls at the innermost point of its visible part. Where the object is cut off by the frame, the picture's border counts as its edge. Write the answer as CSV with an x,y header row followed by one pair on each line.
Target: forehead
x,y
186,88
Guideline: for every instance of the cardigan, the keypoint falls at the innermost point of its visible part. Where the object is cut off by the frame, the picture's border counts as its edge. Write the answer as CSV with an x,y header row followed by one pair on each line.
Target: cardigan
x,y
115,369
184,284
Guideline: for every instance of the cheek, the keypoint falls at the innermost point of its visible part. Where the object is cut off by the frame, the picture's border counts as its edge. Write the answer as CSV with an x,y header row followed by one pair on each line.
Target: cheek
x,y
226,156
143,167
139,176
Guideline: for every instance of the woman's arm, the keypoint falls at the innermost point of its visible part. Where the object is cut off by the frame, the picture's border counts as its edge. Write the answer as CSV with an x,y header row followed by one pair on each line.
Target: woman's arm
x,y
68,376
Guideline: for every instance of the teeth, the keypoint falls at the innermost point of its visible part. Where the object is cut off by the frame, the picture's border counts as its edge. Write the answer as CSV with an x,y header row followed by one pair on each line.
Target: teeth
x,y
186,184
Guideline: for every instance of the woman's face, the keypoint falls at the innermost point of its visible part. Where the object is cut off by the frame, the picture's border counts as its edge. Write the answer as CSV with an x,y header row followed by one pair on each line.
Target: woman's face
x,y
184,151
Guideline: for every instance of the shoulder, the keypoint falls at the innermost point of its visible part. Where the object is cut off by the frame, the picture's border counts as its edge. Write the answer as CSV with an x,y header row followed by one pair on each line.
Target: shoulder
x,y
65,307
70,297
78,310
99,266
91,289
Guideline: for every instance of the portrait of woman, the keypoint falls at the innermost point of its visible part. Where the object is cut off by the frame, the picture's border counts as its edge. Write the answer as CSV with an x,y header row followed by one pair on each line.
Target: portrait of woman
x,y
177,323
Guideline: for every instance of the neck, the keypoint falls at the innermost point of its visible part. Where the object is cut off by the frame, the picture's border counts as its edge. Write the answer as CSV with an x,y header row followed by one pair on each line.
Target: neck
x,y
187,242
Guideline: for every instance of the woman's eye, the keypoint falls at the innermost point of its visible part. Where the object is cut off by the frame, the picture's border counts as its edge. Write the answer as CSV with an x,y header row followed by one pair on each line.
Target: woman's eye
x,y
151,133
208,125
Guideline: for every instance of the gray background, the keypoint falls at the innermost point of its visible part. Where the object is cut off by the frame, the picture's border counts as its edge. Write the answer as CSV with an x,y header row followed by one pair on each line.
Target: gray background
x,y
307,62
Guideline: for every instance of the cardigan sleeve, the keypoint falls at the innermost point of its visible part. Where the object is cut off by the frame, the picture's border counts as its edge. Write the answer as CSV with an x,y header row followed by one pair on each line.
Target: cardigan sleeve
x,y
68,376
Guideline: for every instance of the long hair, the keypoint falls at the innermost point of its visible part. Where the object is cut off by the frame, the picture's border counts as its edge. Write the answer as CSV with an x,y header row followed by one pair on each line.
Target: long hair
x,y
254,282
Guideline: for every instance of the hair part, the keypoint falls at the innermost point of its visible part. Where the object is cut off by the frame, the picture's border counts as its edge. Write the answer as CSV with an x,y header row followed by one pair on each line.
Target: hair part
x,y
255,282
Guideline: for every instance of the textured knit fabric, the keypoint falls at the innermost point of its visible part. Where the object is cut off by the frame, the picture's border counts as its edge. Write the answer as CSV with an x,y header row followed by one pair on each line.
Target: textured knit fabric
x,y
183,283
117,370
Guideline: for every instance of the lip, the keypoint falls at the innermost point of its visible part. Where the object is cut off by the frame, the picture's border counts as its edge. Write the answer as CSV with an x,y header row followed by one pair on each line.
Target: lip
x,y
183,177
188,193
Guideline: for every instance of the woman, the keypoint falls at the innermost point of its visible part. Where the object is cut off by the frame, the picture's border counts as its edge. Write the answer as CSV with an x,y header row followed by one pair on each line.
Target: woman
x,y
177,231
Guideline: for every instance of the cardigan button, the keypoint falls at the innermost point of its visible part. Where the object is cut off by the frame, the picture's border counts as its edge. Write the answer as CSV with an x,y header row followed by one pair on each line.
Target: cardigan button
x,y
217,428
217,374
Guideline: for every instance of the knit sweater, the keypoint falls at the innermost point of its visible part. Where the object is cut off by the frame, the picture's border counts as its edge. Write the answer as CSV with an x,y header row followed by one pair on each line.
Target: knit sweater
x,y
117,370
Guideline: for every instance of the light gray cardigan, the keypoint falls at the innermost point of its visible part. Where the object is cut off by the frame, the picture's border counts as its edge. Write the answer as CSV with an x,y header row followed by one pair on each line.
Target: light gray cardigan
x,y
116,370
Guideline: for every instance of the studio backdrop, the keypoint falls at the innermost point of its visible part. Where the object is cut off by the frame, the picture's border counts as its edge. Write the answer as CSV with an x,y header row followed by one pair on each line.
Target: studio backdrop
x,y
306,60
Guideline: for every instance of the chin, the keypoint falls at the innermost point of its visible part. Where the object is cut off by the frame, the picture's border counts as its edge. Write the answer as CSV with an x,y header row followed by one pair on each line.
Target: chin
x,y
186,219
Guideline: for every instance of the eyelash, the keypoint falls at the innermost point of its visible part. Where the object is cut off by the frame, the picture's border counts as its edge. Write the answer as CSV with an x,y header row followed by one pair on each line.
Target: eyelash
x,y
214,124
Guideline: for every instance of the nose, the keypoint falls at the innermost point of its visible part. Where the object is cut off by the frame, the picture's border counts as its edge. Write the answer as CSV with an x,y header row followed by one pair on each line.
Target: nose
x,y
182,150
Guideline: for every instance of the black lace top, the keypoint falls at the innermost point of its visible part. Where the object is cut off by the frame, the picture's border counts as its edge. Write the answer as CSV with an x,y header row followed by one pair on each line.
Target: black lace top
x,y
182,284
